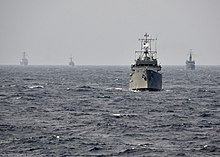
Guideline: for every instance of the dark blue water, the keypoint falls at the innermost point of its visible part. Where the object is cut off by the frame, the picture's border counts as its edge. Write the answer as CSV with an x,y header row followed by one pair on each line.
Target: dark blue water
x,y
89,111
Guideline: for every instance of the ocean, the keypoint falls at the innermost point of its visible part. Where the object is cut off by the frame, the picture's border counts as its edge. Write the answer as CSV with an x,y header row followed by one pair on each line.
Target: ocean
x,y
89,111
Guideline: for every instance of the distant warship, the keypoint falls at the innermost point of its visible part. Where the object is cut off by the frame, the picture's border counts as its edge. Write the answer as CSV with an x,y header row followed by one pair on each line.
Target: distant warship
x,y
71,63
190,64
145,71
24,60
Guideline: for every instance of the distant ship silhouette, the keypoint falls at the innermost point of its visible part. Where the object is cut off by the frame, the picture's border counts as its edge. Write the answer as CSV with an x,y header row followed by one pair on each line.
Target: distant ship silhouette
x,y
190,64
71,63
24,60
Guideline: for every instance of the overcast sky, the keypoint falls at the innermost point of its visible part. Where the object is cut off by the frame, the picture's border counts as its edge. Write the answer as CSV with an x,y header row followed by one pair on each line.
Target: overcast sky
x,y
106,32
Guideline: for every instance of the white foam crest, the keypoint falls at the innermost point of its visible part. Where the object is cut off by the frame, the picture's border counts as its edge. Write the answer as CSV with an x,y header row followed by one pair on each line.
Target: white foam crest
x,y
117,88
37,86
135,91
117,114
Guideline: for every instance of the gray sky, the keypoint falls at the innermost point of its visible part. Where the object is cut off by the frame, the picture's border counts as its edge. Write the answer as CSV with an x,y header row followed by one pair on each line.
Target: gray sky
x,y
106,32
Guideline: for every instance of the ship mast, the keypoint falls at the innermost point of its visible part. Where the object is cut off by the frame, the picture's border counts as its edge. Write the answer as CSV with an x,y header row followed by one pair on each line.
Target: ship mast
x,y
71,59
24,53
146,46
190,55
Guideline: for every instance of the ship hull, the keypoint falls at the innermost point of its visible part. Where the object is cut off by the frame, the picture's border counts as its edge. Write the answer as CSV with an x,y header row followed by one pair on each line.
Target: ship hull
x,y
143,79
24,62
71,64
190,66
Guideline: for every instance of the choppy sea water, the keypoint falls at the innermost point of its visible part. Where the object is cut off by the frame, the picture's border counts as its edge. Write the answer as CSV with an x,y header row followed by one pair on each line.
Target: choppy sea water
x,y
89,111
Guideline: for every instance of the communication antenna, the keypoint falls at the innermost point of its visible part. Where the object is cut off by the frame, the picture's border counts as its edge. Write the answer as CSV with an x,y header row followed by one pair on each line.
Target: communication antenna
x,y
156,46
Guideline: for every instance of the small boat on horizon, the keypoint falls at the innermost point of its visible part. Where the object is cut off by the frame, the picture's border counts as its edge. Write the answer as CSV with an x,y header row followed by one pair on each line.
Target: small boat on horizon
x,y
190,64
71,63
24,60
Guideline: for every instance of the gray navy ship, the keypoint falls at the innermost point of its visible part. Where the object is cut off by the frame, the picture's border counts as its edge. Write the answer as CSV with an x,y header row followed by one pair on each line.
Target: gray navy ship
x,y
24,60
71,63
190,64
145,73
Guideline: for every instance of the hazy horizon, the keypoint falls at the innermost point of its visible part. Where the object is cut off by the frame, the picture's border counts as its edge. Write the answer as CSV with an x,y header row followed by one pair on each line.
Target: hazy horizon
x,y
97,32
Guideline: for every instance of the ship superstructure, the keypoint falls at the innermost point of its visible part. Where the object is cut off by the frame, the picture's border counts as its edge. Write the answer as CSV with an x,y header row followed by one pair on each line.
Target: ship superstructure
x,y
190,64
24,60
145,73
71,63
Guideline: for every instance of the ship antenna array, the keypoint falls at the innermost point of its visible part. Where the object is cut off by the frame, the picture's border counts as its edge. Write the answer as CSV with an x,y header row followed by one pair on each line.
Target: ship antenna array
x,y
190,54
24,54
149,40
156,47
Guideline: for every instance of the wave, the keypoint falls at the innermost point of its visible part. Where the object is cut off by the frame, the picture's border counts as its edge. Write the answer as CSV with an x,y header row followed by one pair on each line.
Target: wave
x,y
36,86
84,88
